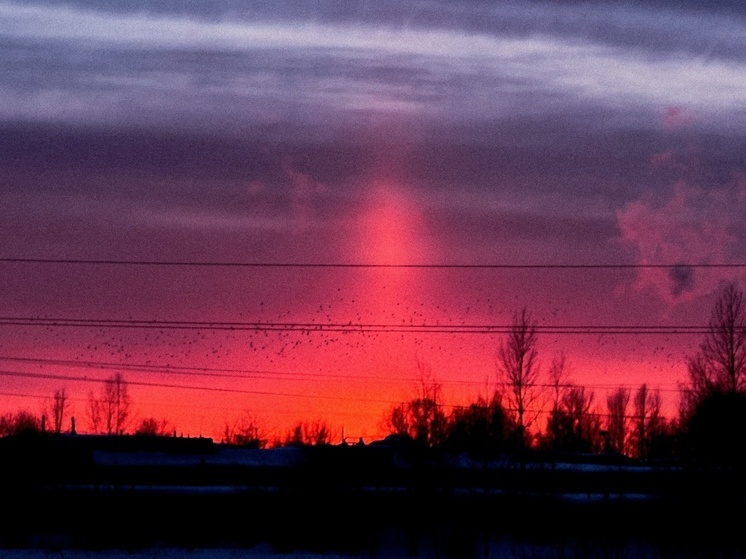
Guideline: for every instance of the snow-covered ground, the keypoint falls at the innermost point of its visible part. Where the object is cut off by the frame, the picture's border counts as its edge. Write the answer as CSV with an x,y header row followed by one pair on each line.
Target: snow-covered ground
x,y
507,553
159,553
497,550
224,456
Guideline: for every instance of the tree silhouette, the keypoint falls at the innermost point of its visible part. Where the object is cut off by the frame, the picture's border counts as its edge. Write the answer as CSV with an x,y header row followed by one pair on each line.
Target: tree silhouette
x,y
421,418
245,432
713,408
150,426
574,427
616,419
558,378
558,383
716,430
518,370
60,408
109,411
720,363
648,425
19,423
479,429
305,433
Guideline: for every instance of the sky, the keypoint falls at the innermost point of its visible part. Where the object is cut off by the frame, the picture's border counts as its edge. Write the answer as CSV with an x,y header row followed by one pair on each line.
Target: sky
x,y
300,211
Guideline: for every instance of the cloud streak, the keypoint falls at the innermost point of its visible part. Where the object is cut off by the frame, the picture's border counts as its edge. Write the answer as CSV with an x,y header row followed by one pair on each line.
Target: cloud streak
x,y
186,67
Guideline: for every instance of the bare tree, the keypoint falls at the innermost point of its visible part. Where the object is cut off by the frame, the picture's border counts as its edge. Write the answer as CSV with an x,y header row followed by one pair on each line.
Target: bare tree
x,y
109,411
577,426
518,370
720,363
397,420
150,426
60,408
647,422
19,423
95,412
479,429
306,433
117,404
616,419
558,382
422,418
247,431
558,378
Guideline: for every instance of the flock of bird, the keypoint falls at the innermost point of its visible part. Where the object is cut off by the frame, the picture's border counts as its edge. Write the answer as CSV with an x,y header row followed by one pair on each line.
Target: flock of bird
x,y
373,336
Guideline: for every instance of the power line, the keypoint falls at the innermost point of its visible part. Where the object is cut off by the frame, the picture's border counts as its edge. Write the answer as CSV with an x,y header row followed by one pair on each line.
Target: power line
x,y
48,376
195,264
440,404
338,412
349,327
217,372
246,374
214,372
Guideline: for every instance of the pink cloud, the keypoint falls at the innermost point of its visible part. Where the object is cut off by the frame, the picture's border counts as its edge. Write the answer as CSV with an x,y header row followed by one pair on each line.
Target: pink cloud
x,y
695,227
676,117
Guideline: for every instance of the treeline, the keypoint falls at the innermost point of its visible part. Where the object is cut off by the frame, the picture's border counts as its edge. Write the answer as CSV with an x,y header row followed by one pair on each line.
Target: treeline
x,y
108,411
710,424
631,425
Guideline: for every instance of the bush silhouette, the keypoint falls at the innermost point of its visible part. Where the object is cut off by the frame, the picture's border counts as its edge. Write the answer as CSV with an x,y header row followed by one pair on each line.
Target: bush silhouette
x,y
716,432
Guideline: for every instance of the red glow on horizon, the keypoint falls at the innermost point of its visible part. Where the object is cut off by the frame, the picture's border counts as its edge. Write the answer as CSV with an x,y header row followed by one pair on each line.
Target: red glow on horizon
x,y
350,394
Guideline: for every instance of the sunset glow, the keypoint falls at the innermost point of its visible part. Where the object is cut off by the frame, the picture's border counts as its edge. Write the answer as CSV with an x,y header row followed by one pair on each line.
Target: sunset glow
x,y
286,213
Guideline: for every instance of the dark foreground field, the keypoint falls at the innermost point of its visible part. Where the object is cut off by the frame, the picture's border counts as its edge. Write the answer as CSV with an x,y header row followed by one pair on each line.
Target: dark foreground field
x,y
374,501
